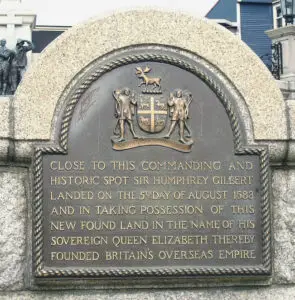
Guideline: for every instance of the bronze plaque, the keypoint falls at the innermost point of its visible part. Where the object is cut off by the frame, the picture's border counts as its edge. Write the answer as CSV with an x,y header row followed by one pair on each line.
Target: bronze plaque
x,y
150,176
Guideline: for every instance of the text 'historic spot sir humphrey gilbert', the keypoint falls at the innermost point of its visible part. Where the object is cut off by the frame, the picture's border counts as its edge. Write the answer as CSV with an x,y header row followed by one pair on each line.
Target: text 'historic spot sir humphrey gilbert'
x,y
203,200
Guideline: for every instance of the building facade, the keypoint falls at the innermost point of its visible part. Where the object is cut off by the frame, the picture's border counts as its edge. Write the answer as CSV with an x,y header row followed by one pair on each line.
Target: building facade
x,y
250,19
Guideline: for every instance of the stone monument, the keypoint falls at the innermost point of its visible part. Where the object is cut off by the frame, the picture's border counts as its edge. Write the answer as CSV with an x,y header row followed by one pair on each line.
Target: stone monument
x,y
149,160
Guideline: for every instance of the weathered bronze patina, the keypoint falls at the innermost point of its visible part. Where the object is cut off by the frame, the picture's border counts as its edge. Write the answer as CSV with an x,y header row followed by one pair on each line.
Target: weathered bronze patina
x,y
150,177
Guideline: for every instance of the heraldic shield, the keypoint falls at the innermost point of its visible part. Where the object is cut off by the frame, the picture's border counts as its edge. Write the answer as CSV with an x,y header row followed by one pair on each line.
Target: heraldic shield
x,y
152,113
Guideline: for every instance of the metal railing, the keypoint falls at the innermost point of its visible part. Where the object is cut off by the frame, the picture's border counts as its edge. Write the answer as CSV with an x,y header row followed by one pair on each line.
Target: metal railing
x,y
274,61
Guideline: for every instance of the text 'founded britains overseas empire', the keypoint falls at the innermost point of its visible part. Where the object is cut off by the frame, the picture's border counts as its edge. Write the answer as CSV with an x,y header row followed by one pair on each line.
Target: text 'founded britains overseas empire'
x,y
148,212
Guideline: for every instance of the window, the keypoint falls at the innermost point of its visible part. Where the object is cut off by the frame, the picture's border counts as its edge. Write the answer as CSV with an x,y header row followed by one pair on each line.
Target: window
x,y
277,14
279,17
278,20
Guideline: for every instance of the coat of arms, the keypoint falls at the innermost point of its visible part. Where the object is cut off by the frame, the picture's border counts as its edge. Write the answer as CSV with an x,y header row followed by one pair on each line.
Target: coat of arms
x,y
153,112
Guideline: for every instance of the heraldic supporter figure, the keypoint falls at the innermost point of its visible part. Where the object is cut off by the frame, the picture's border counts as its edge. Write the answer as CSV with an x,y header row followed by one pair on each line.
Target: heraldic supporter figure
x,y
13,64
124,112
179,102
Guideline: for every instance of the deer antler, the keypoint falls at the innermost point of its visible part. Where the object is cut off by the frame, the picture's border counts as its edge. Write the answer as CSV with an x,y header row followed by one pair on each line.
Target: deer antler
x,y
138,70
147,69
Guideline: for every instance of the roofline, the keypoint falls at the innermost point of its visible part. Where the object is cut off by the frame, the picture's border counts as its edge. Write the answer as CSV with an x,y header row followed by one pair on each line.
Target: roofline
x,y
51,28
241,1
212,8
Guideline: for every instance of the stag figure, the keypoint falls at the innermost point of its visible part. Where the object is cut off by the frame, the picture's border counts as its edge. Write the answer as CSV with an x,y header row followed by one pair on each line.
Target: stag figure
x,y
145,79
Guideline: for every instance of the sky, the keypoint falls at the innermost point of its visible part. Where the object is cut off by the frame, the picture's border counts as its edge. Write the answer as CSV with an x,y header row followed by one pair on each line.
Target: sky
x,y
70,12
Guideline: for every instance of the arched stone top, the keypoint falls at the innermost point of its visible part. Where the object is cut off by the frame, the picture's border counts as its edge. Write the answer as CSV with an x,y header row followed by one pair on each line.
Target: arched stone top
x,y
45,82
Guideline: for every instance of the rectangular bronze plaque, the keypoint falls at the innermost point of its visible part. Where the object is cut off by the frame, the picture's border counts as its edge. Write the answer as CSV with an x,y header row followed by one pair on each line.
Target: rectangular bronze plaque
x,y
151,178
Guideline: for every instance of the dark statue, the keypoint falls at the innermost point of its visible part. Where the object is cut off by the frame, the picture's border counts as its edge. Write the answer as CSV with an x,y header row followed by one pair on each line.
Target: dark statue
x,y
5,60
13,64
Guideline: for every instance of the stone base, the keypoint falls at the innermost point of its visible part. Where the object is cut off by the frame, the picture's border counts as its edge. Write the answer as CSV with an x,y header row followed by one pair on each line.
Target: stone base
x,y
276,292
